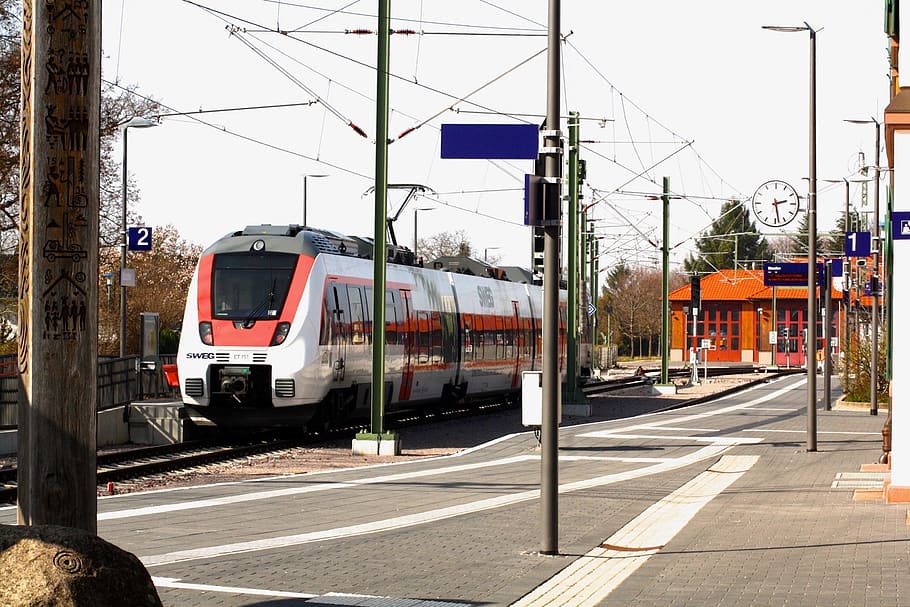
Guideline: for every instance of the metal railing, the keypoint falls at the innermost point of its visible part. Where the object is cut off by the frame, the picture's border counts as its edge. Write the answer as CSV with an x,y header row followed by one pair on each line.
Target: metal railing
x,y
120,382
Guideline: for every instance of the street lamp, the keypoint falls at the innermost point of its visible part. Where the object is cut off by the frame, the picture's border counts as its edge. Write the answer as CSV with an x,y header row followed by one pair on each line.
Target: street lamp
x,y
415,226
136,123
304,193
876,253
488,249
811,283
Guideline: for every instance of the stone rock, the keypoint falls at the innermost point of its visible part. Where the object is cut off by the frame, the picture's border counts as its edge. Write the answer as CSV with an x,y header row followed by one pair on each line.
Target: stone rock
x,y
51,566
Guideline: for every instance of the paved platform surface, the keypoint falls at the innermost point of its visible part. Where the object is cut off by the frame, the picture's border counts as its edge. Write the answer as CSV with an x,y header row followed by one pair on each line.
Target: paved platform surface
x,y
716,504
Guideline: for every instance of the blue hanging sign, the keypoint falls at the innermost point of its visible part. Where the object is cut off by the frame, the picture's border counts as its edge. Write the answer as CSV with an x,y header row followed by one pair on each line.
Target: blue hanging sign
x,y
490,141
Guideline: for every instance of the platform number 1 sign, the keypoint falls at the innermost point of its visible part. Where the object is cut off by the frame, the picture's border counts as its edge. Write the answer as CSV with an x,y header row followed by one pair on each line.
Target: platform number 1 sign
x,y
139,238
857,244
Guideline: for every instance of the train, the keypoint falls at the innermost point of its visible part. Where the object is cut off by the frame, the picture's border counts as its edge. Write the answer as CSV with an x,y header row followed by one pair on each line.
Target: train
x,y
277,330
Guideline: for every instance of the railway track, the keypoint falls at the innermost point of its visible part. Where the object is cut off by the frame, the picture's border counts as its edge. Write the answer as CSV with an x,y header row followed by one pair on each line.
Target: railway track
x,y
143,462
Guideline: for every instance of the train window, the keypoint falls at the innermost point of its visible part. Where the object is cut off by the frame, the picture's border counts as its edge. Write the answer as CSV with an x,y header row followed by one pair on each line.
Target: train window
x,y
392,319
336,309
251,286
467,337
355,297
423,338
435,337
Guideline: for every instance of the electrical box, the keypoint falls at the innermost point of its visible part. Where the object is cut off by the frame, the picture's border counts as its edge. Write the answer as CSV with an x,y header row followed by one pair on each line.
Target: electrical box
x,y
532,399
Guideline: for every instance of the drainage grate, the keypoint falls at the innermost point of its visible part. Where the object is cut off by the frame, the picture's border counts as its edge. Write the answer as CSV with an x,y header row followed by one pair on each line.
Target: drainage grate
x,y
860,480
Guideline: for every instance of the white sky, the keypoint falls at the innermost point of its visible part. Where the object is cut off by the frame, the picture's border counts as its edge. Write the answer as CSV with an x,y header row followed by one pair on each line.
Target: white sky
x,y
665,72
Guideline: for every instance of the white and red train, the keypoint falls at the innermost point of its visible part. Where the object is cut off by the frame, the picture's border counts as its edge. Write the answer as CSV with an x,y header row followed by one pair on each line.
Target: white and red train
x,y
277,331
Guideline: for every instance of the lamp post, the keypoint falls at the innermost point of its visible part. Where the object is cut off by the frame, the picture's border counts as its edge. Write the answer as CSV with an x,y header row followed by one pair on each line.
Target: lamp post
x,y
415,226
304,192
811,329
876,276
136,123
488,249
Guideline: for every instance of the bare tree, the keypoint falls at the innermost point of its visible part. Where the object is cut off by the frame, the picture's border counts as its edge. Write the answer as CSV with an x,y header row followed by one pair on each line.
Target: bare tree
x,y
446,244
163,278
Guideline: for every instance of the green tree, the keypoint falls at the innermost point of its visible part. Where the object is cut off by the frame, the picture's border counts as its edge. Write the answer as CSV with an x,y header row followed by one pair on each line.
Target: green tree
x,y
836,238
733,239
823,244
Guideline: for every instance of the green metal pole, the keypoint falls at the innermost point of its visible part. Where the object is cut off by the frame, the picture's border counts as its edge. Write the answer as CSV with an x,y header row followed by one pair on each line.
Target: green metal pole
x,y
572,394
665,284
379,221
595,293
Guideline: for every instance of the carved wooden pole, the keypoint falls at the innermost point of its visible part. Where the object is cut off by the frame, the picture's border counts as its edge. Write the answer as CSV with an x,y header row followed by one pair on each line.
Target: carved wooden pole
x,y
58,261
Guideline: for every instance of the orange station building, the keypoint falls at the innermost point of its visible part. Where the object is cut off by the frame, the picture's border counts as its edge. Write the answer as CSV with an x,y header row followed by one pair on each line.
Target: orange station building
x,y
737,314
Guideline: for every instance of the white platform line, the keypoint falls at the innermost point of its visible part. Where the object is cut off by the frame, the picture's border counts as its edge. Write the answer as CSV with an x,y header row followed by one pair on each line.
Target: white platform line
x,y
700,416
166,582
276,493
819,432
591,578
420,518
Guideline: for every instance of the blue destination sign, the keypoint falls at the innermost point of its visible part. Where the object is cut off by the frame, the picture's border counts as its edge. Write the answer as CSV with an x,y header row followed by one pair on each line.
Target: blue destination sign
x,y
490,141
791,274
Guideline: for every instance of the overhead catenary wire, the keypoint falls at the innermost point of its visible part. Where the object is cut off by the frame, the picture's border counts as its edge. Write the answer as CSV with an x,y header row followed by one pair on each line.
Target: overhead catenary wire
x,y
235,32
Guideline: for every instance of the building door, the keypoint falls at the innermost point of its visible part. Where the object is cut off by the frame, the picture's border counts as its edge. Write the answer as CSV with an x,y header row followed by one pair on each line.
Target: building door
x,y
791,345
720,323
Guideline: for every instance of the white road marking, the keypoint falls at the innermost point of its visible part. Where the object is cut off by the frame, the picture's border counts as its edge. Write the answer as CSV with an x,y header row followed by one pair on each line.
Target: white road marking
x,y
718,445
819,431
696,416
719,440
166,582
776,409
262,495
591,578
420,518
680,429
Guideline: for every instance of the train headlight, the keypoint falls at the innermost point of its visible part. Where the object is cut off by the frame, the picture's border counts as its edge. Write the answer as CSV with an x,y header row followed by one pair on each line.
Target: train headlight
x,y
281,333
205,333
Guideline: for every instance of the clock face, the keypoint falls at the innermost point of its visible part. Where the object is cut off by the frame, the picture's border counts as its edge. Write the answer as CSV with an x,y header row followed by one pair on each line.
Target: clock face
x,y
775,203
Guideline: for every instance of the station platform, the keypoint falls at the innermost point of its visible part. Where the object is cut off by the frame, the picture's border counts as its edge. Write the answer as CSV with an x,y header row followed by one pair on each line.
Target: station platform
x,y
715,504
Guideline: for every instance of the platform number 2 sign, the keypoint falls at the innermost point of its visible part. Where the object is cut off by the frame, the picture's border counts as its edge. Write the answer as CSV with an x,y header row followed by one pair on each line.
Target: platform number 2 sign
x,y
139,238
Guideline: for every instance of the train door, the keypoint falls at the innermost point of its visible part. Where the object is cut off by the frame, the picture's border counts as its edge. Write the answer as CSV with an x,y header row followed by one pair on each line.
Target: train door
x,y
336,309
408,338
514,332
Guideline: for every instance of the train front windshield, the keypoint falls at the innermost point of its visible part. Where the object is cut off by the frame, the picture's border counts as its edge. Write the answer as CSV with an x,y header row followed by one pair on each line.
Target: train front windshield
x,y
251,286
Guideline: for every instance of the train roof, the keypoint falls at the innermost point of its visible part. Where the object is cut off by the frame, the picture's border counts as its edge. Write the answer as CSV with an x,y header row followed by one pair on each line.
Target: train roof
x,y
297,239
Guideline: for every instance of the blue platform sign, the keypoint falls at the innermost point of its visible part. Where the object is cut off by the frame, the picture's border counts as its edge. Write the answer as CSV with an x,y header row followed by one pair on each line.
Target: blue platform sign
x,y
490,141
858,244
139,238
900,225
792,274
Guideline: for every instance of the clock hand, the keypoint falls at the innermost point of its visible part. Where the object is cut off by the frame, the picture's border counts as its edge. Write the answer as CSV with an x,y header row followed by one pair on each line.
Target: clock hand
x,y
777,209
